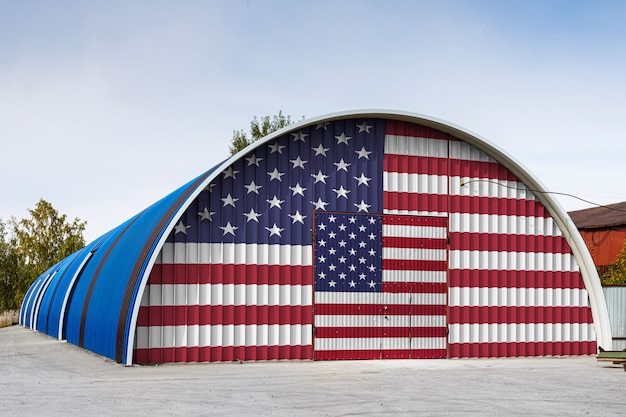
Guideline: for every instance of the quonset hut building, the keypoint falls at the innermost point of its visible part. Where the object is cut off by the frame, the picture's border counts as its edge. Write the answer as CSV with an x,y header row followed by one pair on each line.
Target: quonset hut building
x,y
356,235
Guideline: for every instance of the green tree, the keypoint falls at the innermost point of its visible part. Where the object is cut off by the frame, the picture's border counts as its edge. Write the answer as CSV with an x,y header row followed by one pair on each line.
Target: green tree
x,y
616,275
9,270
259,128
34,245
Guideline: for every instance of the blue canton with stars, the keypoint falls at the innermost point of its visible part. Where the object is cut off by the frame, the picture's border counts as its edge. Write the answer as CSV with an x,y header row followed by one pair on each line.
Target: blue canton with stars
x,y
348,253
270,194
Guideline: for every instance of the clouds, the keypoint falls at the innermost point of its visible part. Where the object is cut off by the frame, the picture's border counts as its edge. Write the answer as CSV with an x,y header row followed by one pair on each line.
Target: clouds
x,y
106,108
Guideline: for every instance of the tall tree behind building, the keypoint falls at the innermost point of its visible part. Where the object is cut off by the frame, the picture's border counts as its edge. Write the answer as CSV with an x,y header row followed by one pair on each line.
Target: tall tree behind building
x,y
259,128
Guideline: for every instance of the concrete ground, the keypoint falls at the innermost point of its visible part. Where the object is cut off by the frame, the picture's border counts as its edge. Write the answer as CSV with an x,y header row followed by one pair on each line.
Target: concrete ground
x,y
42,376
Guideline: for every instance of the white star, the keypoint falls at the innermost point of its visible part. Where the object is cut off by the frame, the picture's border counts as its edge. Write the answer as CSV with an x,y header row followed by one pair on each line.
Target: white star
x,y
297,189
253,160
209,187
252,216
342,139
362,228
332,283
275,175
275,202
372,252
332,251
342,227
362,276
322,259
332,267
229,172
181,228
319,177
253,188
364,127
342,165
332,218
322,226
342,276
362,260
297,217
206,214
275,147
299,136
323,125
229,229
332,235
362,180
362,244
372,284
342,243
352,236
352,252
363,206
372,268
319,204
341,192
372,220
352,268
229,200
274,230
352,219
363,153
352,284
322,242
322,275
372,236
320,150
298,162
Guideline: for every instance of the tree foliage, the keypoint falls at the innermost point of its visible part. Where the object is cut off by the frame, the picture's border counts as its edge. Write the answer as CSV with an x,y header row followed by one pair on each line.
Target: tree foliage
x,y
259,128
616,274
30,246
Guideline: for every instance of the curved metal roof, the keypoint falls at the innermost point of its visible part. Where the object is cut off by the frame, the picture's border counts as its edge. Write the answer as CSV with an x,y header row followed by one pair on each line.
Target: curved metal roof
x,y
98,290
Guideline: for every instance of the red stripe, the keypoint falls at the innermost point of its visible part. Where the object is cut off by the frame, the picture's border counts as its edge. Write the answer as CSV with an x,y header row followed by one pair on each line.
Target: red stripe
x,y
329,355
512,349
414,242
361,332
222,354
481,278
414,265
508,243
230,274
401,220
203,315
377,309
398,128
415,287
519,315
428,165
394,200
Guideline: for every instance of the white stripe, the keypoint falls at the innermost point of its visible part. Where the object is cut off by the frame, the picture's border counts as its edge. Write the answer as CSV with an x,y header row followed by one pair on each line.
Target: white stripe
x,y
426,232
518,297
489,187
414,276
409,145
324,297
220,335
466,152
415,254
492,223
235,253
415,183
512,261
379,321
378,343
229,294
520,333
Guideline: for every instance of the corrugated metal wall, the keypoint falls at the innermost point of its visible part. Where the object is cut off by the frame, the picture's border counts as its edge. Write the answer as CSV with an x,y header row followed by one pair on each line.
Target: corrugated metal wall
x,y
231,292
616,303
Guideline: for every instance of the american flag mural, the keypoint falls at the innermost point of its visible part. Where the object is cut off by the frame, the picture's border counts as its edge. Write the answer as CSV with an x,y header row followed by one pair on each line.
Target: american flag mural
x,y
446,254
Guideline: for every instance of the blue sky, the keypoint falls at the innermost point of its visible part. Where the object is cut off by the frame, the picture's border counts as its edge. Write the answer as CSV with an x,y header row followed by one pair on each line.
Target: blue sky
x,y
105,107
